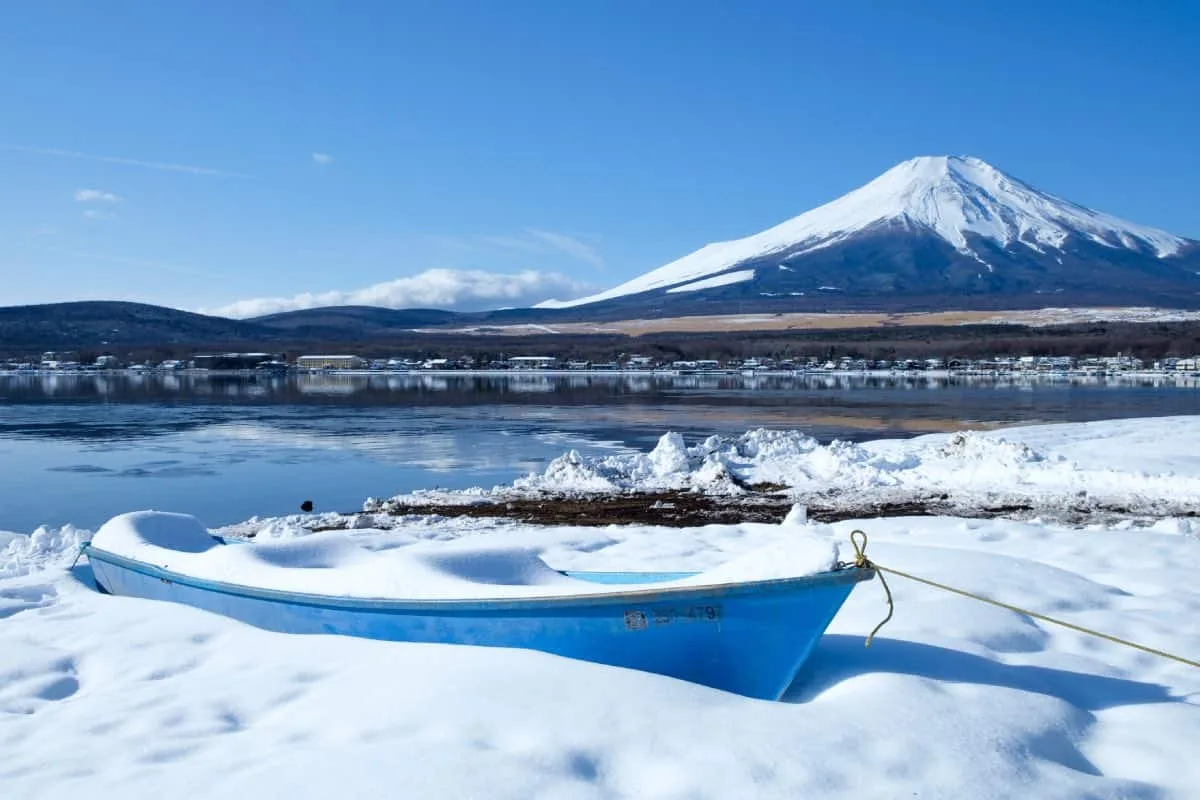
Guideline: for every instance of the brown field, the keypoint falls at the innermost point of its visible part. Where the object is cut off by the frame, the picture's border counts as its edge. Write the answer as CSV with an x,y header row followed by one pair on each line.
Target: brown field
x,y
772,322
813,321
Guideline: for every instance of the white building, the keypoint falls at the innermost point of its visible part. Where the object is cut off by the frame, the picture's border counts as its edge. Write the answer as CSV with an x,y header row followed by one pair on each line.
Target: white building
x,y
331,362
532,362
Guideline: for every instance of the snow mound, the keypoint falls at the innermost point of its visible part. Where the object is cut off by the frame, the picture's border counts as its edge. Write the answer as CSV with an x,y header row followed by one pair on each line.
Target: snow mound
x,y
339,564
1047,469
139,534
797,515
719,465
670,465
797,555
332,563
971,446
21,554
489,565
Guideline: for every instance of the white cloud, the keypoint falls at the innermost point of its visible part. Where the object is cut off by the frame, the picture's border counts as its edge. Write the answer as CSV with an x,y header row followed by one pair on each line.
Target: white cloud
x,y
453,289
95,196
322,159
131,162
95,213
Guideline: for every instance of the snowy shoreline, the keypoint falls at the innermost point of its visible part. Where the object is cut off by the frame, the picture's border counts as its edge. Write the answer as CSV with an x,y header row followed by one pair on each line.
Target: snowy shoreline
x,y
118,696
1067,472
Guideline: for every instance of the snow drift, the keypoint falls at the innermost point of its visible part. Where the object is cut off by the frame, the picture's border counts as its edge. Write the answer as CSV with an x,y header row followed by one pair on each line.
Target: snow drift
x,y
1043,469
112,696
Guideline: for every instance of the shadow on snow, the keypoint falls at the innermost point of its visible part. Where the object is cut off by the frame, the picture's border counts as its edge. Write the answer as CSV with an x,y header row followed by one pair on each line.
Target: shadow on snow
x,y
840,657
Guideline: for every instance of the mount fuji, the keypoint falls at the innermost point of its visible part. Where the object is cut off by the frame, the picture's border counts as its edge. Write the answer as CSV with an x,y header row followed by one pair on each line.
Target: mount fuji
x,y
933,233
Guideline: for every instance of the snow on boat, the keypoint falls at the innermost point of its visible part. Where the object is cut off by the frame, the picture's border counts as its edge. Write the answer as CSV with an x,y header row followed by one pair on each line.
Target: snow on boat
x,y
715,628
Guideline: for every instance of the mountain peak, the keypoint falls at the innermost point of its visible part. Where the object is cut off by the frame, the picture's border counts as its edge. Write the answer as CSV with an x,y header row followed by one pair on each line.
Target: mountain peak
x,y
939,164
963,196
929,171
963,200
926,172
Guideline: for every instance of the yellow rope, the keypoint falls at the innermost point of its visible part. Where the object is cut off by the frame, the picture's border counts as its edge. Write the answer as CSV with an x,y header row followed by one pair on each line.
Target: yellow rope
x,y
861,560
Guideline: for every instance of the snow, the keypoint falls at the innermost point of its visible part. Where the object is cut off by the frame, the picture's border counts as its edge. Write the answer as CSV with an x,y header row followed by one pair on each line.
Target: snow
x,y
1051,468
333,564
1060,316
798,554
113,696
952,196
719,280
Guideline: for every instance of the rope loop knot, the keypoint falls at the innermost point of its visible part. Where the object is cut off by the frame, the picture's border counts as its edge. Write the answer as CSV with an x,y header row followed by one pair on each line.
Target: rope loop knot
x,y
860,550
858,538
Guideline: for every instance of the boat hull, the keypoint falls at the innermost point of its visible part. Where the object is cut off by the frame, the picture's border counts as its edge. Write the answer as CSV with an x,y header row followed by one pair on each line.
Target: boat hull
x,y
748,638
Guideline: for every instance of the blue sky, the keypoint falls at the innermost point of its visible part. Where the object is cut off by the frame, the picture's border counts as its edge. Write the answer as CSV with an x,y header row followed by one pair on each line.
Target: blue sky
x,y
491,153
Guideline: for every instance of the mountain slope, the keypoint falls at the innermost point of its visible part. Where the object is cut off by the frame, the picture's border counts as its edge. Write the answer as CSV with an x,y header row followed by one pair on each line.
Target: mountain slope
x,y
108,324
933,232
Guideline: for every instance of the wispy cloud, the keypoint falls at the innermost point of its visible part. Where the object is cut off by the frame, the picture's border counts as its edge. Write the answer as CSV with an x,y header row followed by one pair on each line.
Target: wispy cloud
x,y
572,246
133,162
459,290
95,213
95,196
322,159
521,244
540,242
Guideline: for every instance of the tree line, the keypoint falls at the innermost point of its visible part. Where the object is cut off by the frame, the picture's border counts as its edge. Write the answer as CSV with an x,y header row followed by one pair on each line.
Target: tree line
x,y
1148,341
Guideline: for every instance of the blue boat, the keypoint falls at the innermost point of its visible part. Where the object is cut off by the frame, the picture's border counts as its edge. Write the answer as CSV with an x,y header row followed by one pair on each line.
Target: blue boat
x,y
750,638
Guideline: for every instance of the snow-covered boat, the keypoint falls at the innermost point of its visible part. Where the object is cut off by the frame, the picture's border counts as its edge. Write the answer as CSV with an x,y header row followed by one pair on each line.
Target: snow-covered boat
x,y
745,636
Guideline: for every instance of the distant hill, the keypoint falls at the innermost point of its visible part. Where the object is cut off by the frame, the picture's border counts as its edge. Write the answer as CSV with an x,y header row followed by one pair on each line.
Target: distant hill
x,y
104,324
337,322
341,322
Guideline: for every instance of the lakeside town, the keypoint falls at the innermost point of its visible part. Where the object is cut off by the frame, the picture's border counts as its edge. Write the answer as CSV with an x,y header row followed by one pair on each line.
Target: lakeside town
x,y
277,363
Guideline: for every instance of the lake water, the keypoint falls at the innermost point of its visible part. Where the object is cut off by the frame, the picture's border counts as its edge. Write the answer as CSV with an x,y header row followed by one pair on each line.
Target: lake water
x,y
81,448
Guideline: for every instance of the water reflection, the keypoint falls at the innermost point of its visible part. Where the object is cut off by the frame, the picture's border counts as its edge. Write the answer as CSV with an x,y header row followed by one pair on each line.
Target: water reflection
x,y
629,407
483,389
80,448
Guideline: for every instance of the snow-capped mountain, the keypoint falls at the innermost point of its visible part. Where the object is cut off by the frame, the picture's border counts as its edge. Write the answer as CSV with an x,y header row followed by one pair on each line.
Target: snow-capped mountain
x,y
932,232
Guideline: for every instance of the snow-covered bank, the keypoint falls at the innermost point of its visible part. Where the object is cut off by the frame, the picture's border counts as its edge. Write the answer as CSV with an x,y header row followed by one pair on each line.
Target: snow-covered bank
x,y
1139,467
113,696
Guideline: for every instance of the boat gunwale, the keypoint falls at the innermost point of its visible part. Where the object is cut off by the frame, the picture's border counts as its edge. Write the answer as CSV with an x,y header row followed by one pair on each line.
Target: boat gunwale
x,y
845,575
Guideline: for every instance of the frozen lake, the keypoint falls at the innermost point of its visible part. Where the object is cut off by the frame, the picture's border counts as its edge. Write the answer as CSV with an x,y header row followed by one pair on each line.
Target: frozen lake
x,y
81,448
